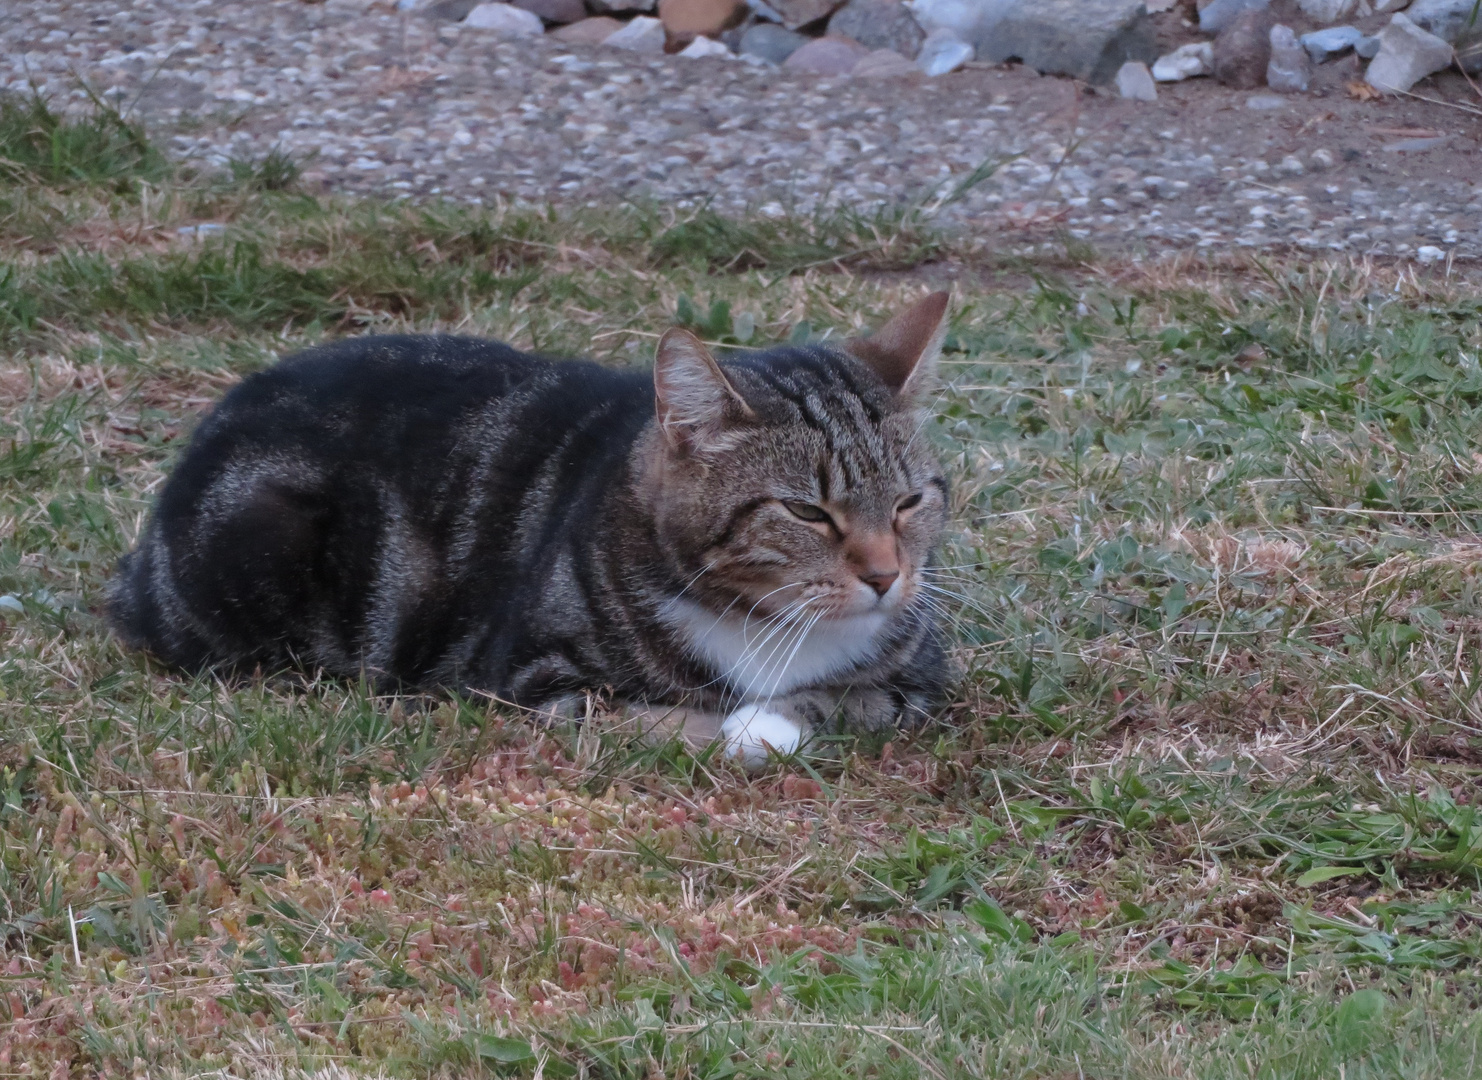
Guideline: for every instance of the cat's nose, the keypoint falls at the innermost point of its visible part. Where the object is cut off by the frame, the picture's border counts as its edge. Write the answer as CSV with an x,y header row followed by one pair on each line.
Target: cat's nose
x,y
880,580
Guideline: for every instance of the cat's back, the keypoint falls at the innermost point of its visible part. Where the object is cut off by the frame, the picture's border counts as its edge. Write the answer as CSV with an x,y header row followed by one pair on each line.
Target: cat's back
x,y
370,502
404,401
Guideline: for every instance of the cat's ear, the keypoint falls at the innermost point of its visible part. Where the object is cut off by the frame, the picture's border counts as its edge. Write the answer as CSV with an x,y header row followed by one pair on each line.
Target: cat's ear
x,y
692,395
904,351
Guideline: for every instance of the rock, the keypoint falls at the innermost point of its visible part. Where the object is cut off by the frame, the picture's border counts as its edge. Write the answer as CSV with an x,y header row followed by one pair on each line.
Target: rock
x,y
451,10
1330,11
1386,7
1289,69
1086,39
1218,14
1322,158
591,31
1407,54
557,12
1135,82
505,19
1447,19
879,24
643,34
1185,62
970,20
1265,101
1291,165
829,55
796,13
766,41
686,20
943,51
1243,50
764,11
704,46
1428,253
600,6
1451,20
1368,47
1323,45
884,64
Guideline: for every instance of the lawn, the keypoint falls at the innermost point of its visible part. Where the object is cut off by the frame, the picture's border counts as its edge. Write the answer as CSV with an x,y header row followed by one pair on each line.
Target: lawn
x,y
1204,803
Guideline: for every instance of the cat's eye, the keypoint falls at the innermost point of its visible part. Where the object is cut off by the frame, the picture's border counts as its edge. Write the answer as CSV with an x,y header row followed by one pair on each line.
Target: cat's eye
x,y
908,502
807,512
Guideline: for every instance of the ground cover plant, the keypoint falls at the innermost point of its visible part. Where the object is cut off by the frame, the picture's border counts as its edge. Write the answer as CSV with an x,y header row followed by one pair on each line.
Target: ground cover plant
x,y
1204,804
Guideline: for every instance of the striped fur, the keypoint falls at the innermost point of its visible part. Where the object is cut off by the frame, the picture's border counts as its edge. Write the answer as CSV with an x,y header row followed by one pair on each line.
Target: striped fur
x,y
442,512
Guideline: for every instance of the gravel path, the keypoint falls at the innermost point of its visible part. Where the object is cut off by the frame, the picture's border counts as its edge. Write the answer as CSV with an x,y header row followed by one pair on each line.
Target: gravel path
x,y
379,101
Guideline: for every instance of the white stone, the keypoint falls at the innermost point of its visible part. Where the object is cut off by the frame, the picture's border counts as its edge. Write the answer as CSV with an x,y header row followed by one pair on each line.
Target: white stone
x,y
644,34
752,732
1447,19
704,46
943,51
1218,14
1135,82
969,19
1330,11
505,19
1383,7
1185,62
1288,69
1324,44
1429,254
1407,54
1322,158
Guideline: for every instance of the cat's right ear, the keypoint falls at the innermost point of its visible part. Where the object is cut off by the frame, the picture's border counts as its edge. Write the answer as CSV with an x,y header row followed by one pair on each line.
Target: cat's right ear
x,y
904,351
692,395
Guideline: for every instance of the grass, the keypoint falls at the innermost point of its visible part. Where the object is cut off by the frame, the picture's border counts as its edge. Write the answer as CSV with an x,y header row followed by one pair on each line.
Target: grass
x,y
1204,803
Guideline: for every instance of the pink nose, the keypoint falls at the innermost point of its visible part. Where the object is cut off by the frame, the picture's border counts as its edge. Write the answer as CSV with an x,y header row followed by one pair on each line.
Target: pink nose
x,y
880,580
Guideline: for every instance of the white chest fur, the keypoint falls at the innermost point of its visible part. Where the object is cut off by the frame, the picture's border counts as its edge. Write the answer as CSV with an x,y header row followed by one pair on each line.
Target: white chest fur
x,y
762,660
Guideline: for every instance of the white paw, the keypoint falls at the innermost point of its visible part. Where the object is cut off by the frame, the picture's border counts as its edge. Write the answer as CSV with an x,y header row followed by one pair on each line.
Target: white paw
x,y
751,732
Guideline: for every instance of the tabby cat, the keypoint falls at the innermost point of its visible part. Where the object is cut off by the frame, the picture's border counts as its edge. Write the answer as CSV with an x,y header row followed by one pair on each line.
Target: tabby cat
x,y
730,550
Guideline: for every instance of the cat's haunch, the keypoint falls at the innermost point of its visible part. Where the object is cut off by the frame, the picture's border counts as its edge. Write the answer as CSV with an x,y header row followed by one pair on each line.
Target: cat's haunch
x,y
703,541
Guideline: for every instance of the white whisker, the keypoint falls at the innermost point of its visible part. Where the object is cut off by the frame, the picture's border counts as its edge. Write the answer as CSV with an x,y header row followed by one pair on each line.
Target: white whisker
x,y
777,674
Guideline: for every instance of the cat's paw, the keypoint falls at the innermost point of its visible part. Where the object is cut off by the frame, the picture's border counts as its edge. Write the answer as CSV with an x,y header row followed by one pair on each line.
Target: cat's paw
x,y
752,731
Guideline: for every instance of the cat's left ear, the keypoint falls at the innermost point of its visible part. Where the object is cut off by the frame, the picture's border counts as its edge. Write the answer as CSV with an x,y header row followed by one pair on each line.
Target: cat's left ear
x,y
904,351
692,396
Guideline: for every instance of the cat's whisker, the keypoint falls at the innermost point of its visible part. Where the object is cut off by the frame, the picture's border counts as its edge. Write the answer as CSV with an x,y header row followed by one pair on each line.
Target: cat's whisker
x,y
777,617
782,632
772,625
694,578
776,674
963,599
774,592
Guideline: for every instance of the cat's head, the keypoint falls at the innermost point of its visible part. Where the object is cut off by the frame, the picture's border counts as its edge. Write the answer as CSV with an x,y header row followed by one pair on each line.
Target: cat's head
x,y
799,478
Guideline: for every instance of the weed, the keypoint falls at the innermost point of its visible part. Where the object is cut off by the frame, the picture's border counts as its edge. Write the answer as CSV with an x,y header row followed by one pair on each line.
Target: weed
x,y
39,145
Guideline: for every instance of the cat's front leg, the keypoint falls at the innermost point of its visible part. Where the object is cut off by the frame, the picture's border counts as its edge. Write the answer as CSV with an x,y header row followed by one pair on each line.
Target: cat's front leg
x,y
782,725
786,724
749,733
754,731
